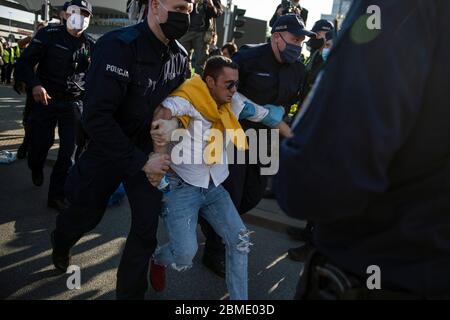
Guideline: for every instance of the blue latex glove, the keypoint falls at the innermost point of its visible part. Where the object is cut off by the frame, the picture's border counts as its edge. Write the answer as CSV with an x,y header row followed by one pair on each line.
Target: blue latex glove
x,y
248,111
274,117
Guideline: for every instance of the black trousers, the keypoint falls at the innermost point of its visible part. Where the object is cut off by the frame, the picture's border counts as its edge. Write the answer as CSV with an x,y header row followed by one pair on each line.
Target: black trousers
x,y
81,138
7,70
91,182
26,116
41,136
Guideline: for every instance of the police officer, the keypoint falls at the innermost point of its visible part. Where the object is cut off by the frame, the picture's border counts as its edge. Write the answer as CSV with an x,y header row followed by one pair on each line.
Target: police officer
x,y
369,163
269,73
323,30
62,54
8,61
20,88
133,71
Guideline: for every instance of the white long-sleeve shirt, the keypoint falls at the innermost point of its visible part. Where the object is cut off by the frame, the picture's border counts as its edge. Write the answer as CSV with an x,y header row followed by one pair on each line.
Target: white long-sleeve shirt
x,y
196,172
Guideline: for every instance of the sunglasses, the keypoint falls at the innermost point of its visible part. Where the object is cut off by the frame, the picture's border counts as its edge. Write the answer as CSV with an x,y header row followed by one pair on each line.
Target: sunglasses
x,y
233,84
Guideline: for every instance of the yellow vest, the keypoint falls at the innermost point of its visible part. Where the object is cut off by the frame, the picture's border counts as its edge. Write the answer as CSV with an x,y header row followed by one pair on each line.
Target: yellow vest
x,y
17,54
6,56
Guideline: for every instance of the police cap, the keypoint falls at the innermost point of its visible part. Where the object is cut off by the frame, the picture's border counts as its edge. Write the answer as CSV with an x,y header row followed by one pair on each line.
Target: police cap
x,y
322,25
291,23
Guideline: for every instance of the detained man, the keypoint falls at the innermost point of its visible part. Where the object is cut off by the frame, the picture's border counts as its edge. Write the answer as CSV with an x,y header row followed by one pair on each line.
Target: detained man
x,y
212,105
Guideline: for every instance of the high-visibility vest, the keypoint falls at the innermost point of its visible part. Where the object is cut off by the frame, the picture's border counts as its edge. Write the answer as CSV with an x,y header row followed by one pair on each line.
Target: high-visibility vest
x,y
6,56
9,55
17,53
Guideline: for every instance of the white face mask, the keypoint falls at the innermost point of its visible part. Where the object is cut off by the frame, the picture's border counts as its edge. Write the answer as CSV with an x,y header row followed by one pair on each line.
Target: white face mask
x,y
77,21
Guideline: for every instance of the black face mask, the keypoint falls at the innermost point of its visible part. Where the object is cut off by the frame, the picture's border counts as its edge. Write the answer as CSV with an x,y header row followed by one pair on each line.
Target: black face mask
x,y
315,44
176,26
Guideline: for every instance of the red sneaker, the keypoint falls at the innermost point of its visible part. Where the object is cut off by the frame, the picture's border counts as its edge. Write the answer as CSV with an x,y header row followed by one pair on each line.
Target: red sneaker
x,y
157,276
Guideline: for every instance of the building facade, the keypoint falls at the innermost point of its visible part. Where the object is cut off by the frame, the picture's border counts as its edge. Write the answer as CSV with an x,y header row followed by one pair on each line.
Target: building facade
x,y
15,20
18,17
340,9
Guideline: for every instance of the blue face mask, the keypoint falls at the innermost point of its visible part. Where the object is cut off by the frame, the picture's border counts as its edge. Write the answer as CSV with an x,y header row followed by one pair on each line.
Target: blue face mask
x,y
291,53
326,53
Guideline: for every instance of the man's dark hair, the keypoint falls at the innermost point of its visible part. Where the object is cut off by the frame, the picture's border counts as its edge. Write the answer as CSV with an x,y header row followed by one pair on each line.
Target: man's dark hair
x,y
215,52
231,48
215,64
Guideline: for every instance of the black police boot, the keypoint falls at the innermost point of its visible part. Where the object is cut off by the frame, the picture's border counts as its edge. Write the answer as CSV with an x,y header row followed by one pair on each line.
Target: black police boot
x,y
21,152
301,253
215,264
60,257
38,177
298,234
57,204
269,194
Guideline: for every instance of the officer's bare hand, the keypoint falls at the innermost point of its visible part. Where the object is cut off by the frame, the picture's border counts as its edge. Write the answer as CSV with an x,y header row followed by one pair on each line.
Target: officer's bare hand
x,y
161,131
157,164
285,130
154,179
40,95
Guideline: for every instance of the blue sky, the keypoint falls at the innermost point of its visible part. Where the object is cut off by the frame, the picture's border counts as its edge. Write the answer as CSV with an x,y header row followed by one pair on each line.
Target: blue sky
x,y
264,9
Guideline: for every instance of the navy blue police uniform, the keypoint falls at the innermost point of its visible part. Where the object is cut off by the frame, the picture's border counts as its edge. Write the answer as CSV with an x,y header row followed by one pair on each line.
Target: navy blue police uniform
x,y
369,163
62,63
131,74
264,80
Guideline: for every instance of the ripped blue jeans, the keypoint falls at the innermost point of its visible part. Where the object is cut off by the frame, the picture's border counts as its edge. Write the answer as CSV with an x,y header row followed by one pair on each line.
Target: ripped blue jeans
x,y
181,207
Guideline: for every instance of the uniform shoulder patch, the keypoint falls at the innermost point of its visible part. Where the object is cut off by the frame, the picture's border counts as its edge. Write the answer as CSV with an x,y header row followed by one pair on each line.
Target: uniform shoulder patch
x,y
90,38
117,72
128,35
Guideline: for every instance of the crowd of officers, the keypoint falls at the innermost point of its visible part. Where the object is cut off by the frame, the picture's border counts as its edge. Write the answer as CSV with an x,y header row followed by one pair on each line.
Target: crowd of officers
x,y
99,97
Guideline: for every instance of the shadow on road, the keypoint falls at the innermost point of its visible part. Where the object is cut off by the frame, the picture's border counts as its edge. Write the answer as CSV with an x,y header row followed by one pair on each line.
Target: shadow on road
x,y
25,224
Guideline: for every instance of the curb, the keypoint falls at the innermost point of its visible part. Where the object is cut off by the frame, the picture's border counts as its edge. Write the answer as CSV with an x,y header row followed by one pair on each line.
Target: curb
x,y
273,221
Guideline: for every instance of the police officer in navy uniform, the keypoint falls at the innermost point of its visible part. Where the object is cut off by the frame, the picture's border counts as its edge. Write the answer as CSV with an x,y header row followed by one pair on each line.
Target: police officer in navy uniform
x,y
324,31
269,73
370,160
133,70
62,54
